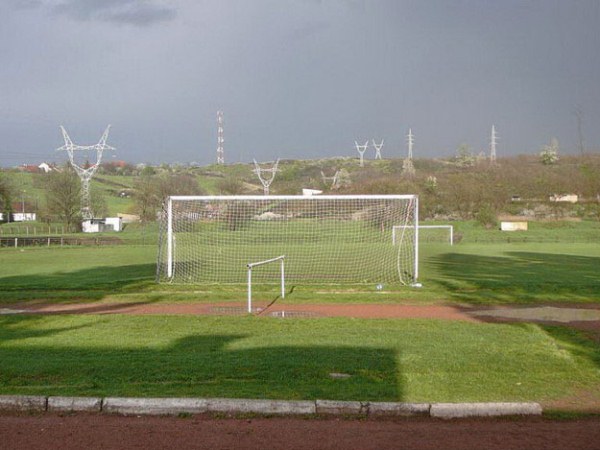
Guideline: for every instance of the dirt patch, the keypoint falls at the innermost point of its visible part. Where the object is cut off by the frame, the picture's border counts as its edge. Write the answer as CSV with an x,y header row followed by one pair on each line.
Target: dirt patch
x,y
367,311
66,432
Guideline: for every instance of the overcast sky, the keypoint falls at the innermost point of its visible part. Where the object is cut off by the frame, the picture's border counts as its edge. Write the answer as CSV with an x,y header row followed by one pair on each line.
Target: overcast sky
x,y
296,78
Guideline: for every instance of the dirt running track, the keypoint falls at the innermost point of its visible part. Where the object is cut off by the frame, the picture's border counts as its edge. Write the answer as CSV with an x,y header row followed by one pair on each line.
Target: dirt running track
x,y
84,431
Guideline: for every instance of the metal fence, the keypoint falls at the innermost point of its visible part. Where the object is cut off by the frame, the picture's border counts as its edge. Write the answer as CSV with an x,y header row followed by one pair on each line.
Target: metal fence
x,y
48,241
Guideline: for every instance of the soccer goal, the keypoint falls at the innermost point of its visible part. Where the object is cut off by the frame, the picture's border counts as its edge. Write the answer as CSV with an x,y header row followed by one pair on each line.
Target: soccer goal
x,y
337,239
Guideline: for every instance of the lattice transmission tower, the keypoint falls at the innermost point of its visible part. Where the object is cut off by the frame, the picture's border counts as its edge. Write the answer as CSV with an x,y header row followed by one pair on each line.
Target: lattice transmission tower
x,y
408,167
493,142
266,182
410,140
378,148
87,171
220,139
361,149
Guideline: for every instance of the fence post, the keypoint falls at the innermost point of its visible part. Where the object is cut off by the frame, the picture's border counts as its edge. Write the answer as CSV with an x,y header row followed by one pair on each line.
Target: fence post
x,y
16,242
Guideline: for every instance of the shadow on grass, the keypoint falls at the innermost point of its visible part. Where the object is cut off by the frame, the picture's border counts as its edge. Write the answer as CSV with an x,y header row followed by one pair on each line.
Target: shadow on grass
x,y
23,328
519,277
575,342
88,284
200,366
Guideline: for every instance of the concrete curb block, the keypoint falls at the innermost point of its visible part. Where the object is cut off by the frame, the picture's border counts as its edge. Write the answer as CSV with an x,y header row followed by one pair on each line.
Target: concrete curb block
x,y
23,403
228,405
457,410
398,409
174,406
340,407
154,406
87,404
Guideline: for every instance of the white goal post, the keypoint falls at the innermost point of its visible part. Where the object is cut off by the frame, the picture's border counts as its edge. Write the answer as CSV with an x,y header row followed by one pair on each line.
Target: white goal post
x,y
398,228
262,263
326,239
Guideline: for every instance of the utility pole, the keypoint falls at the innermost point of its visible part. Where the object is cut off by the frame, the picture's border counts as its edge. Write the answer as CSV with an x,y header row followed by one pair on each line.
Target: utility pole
x,y
220,139
408,168
410,139
493,142
579,116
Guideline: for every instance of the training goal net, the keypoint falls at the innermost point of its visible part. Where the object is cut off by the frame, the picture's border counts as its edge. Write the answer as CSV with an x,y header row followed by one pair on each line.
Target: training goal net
x,y
337,239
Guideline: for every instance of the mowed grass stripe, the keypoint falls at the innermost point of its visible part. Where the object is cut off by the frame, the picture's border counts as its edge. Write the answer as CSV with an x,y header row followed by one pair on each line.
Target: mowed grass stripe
x,y
388,360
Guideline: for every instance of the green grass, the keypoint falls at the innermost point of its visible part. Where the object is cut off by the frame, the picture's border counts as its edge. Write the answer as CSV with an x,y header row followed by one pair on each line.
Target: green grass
x,y
466,273
515,273
400,360
393,360
538,232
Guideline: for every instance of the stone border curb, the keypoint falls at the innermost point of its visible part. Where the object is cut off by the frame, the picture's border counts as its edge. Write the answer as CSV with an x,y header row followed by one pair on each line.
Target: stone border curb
x,y
75,404
175,406
398,409
154,406
231,405
341,408
457,410
23,403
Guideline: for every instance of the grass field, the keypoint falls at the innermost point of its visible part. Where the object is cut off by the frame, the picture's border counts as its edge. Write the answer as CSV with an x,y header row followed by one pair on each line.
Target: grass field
x,y
408,360
469,273
265,357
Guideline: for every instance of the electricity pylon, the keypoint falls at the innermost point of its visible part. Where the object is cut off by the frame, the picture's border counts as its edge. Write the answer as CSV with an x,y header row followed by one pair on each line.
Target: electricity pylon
x,y
85,173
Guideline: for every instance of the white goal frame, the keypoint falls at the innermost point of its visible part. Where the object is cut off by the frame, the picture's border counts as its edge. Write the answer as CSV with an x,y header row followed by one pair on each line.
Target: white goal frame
x,y
250,266
449,227
165,268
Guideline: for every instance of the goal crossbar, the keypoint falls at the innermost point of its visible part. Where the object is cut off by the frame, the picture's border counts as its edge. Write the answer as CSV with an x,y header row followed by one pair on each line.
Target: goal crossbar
x,y
250,266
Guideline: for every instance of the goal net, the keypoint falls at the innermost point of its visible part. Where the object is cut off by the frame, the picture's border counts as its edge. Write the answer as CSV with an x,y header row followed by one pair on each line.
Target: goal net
x,y
335,239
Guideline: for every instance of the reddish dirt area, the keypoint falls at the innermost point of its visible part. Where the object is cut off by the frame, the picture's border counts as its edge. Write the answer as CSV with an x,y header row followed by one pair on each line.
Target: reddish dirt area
x,y
301,310
81,431
366,311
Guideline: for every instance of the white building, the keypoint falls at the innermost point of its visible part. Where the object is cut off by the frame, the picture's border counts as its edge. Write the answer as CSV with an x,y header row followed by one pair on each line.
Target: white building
x,y
20,217
100,225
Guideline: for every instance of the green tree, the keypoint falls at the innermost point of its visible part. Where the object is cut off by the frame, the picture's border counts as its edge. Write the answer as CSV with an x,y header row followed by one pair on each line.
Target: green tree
x,y
230,186
63,196
549,153
7,192
151,190
464,156
147,201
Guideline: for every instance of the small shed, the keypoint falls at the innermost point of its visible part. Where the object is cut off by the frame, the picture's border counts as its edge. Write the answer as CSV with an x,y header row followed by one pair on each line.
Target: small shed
x,y
100,225
513,226
566,198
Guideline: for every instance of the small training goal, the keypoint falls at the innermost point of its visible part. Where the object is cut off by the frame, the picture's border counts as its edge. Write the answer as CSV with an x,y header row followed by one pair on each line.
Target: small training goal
x,y
338,239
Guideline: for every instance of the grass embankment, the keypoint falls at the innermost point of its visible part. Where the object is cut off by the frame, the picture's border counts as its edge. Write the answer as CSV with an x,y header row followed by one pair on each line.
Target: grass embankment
x,y
393,360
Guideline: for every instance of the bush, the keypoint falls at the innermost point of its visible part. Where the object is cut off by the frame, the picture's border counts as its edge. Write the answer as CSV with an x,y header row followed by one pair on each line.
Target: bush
x,y
486,216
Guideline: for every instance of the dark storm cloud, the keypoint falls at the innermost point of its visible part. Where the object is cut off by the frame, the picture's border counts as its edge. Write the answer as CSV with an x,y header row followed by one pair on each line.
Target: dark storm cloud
x,y
133,12
297,78
24,4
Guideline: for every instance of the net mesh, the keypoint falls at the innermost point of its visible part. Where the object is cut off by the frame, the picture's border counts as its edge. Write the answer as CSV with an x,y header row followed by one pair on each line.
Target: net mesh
x,y
325,239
